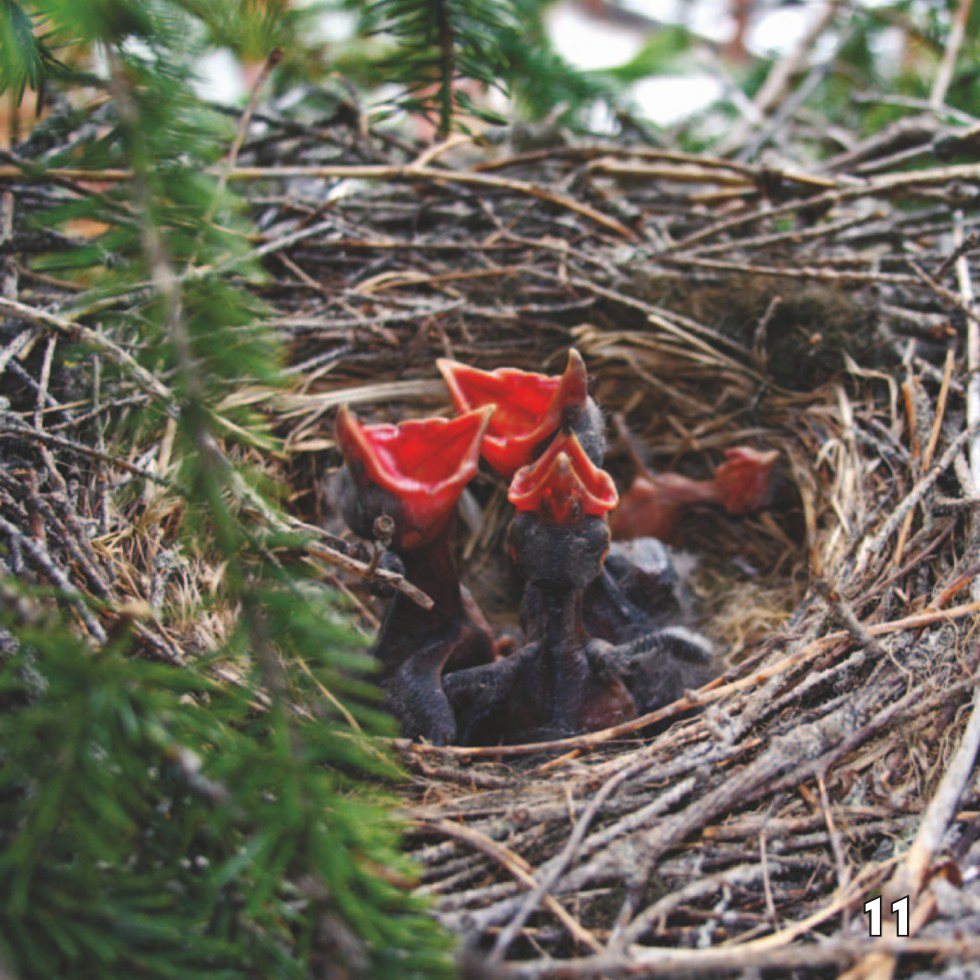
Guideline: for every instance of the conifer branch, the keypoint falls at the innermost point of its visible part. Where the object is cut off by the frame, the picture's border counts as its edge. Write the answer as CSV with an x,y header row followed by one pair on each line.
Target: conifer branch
x,y
253,837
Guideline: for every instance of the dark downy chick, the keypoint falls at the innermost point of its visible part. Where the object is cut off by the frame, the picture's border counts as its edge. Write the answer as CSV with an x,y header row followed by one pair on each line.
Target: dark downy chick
x,y
414,473
556,685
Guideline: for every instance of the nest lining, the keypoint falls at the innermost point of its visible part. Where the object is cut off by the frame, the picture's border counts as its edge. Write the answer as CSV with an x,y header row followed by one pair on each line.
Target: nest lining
x,y
848,610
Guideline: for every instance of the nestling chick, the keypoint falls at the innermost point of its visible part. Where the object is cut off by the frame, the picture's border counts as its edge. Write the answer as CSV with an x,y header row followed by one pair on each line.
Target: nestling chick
x,y
654,502
558,684
530,408
414,473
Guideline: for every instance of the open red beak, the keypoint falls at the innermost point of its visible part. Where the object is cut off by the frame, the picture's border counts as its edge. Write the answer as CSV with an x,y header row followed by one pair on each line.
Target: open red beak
x,y
530,406
742,481
425,463
565,483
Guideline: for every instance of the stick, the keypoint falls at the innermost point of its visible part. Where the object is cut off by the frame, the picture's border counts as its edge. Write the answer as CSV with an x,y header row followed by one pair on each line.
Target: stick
x,y
875,544
92,338
228,164
780,77
32,435
8,270
44,563
946,67
972,353
930,449
366,172
362,570
846,191
540,892
645,961
514,864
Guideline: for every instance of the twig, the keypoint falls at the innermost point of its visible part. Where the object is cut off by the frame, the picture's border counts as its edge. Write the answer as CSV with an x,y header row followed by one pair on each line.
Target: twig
x,y
794,236
31,435
791,272
972,352
944,76
95,340
646,961
874,545
516,866
877,186
540,892
777,84
366,172
659,910
684,174
843,875
20,343
8,268
969,243
47,566
363,570
228,164
930,449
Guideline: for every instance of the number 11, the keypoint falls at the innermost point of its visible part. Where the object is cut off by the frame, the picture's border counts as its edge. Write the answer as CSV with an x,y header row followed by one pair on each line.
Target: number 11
x,y
900,907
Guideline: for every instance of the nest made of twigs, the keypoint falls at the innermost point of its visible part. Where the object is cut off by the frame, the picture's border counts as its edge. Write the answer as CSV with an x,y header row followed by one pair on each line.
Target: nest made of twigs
x,y
771,816
715,305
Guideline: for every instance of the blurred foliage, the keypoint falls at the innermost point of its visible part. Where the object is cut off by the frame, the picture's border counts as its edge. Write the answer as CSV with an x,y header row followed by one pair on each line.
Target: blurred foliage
x,y
154,824
440,45
888,51
445,59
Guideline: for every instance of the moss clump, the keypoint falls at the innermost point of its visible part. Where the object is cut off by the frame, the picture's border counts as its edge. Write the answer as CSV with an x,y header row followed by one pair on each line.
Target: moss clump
x,y
802,332
809,333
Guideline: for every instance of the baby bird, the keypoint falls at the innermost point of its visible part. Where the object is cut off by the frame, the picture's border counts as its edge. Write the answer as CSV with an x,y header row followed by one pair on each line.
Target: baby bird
x,y
413,474
559,683
530,409
654,503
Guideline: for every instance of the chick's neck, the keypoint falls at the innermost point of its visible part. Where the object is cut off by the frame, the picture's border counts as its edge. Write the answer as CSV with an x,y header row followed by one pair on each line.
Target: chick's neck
x,y
431,567
553,617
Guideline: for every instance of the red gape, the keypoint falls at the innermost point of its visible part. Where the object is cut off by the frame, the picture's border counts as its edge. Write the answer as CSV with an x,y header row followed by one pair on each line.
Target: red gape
x,y
425,463
743,480
530,406
564,483
653,504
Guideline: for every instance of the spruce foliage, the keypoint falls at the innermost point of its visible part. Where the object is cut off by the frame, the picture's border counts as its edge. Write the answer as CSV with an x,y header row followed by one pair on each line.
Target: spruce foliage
x,y
447,55
438,44
154,822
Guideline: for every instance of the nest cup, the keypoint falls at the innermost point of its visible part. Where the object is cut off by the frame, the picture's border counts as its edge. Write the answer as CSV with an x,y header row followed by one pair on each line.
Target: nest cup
x,y
745,573
795,596
675,394
781,793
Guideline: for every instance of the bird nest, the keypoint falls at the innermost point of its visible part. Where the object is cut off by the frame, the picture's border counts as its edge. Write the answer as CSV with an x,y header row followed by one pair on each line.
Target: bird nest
x,y
826,316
